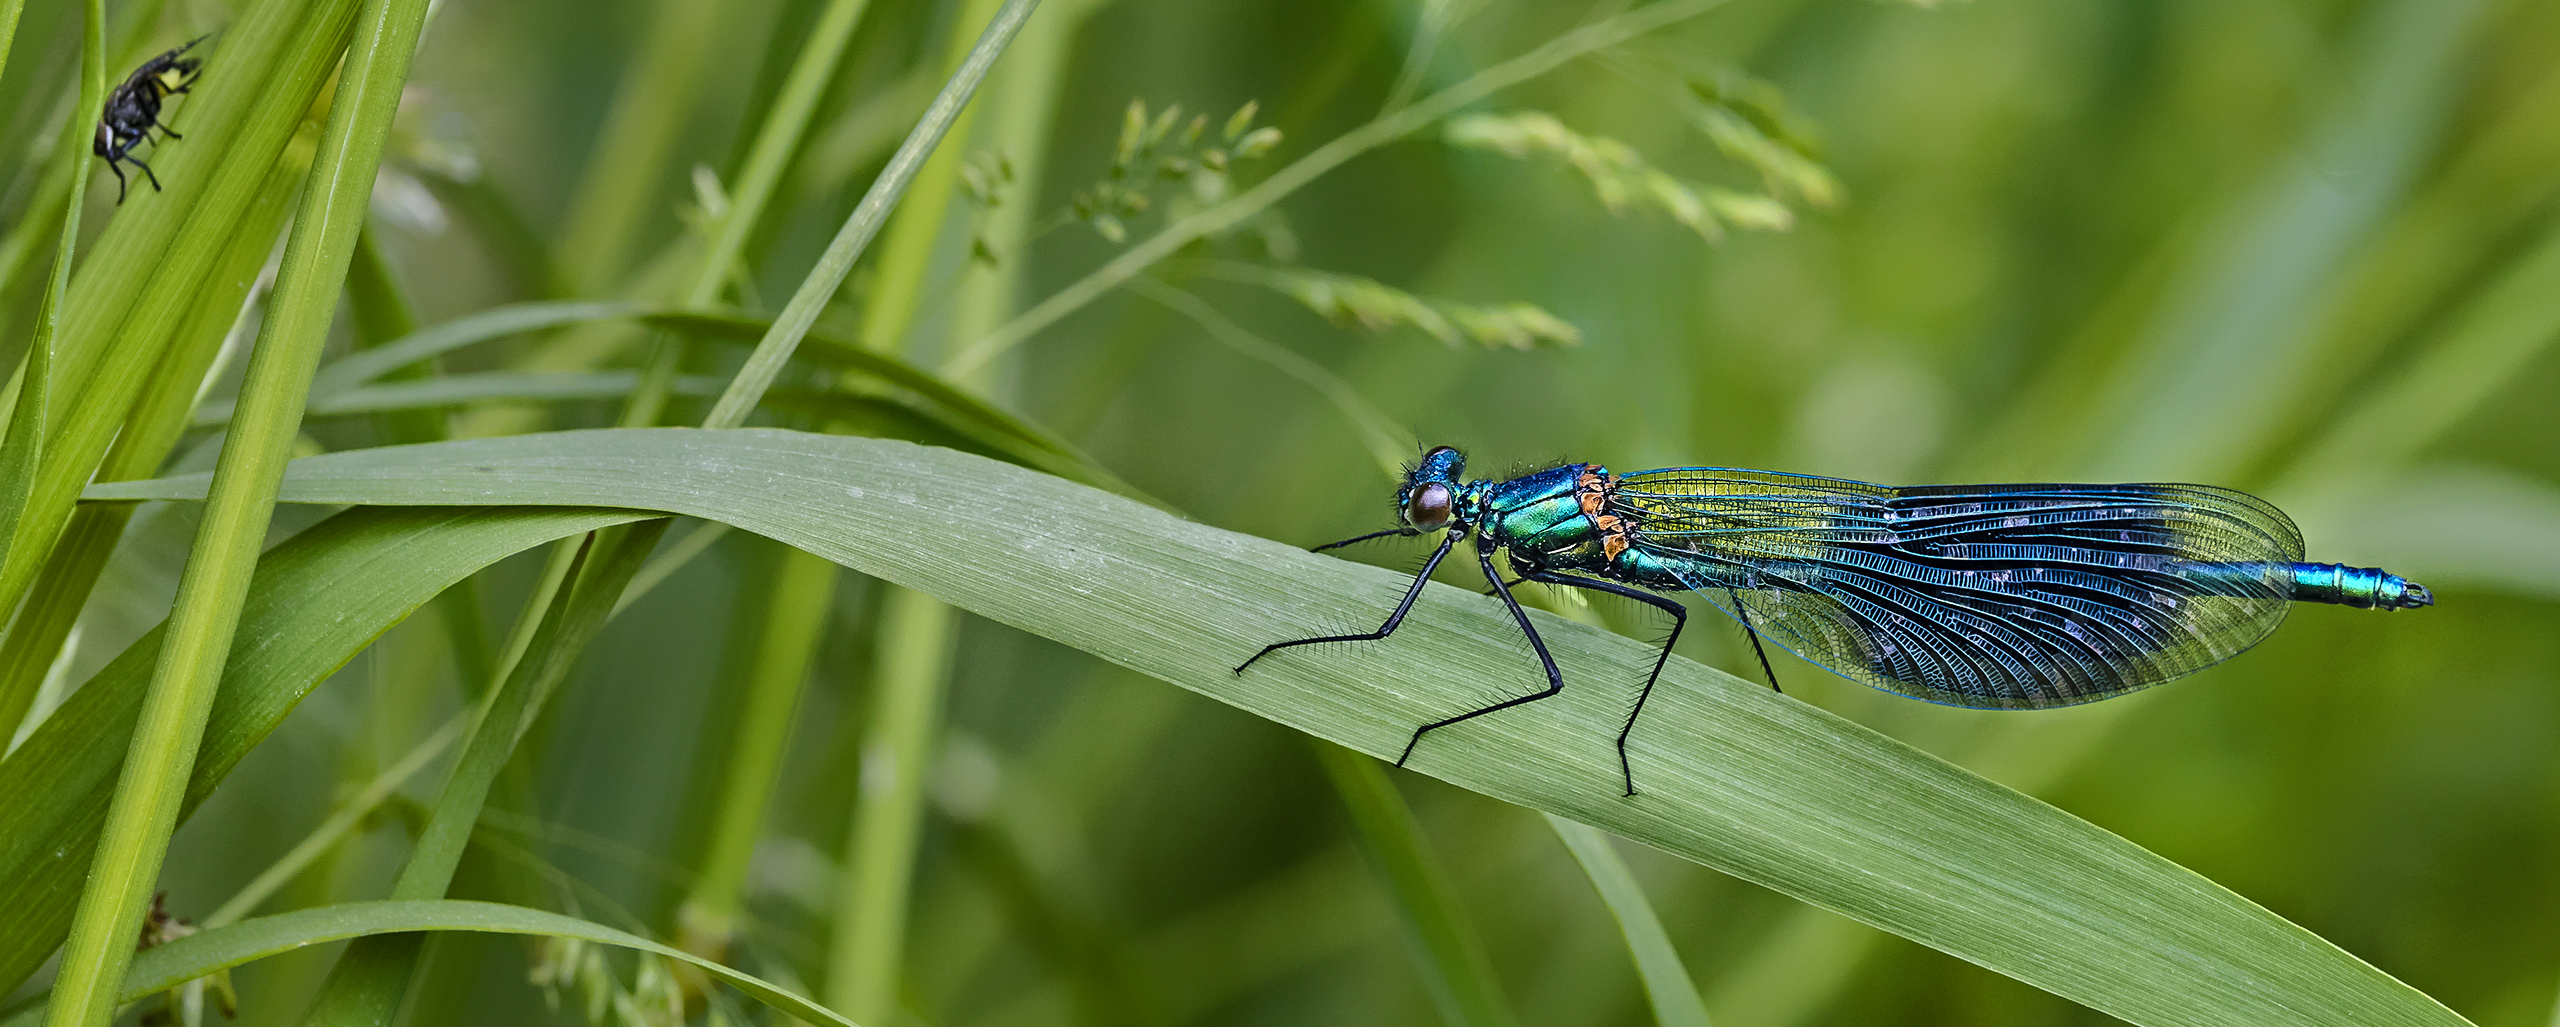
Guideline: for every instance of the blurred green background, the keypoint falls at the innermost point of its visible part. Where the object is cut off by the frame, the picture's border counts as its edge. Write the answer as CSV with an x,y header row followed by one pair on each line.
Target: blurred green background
x,y
2308,248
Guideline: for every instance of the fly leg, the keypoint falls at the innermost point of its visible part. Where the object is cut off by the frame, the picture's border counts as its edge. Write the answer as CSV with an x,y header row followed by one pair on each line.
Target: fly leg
x,y
1679,619
1393,619
146,173
1555,678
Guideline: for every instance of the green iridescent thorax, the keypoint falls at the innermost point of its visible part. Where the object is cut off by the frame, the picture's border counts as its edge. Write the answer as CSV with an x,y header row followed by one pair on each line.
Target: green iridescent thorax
x,y
1542,514
1475,504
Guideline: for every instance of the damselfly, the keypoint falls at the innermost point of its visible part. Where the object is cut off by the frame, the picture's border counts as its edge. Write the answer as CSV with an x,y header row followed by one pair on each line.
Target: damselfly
x,y
1987,596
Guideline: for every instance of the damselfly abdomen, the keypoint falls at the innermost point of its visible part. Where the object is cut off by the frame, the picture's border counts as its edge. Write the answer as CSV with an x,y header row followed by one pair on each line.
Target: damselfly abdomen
x,y
1987,596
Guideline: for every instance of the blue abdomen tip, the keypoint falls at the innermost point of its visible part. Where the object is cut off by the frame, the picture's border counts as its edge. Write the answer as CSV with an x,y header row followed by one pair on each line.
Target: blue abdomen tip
x,y
2369,588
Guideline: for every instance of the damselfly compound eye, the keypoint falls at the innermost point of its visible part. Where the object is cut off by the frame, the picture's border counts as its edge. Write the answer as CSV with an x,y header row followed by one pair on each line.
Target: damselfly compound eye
x,y
1429,507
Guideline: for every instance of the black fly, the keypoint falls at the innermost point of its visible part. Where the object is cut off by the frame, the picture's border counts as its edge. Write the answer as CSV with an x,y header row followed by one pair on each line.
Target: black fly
x,y
133,110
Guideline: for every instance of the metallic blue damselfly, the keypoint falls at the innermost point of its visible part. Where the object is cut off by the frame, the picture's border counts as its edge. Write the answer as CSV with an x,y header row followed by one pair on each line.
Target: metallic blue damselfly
x,y
1986,596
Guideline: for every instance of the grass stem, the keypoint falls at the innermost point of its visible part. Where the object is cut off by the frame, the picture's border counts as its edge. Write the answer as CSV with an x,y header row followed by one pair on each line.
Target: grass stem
x,y
1446,949
864,958
216,581
803,594
1385,129
821,283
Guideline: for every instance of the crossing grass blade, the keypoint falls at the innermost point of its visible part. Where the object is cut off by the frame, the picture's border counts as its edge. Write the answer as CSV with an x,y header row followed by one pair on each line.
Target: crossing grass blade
x,y
221,948
140,278
1447,951
318,599
1757,785
1666,979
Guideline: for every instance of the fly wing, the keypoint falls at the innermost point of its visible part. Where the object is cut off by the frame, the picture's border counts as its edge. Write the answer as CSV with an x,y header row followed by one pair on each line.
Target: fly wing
x,y
1989,596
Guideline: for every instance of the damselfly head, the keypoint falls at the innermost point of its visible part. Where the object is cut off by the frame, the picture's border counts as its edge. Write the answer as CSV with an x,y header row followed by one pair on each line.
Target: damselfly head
x,y
1430,491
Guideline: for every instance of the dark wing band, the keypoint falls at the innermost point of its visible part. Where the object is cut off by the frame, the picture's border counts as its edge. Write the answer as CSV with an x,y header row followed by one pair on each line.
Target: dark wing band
x,y
1989,596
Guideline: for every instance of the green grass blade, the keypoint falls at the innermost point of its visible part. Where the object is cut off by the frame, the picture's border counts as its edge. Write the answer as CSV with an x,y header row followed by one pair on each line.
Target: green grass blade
x,y
340,823
969,424
22,457
216,581
2193,400
220,948
319,597
1666,978
819,347
776,140
9,11
804,590
822,281
159,418
362,366
1385,129
902,731
1757,785
832,351
371,979
142,275
916,231
620,190
717,265
1389,443
472,387
954,416
1446,948
867,957
368,981
21,451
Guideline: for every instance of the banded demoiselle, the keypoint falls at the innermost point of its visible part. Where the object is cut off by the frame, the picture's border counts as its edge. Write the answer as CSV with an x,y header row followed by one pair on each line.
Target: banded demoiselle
x,y
1985,596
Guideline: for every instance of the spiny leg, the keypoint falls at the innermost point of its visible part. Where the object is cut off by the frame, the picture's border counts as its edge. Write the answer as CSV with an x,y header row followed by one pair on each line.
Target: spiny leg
x,y
1393,619
1407,532
1555,678
1679,619
1744,616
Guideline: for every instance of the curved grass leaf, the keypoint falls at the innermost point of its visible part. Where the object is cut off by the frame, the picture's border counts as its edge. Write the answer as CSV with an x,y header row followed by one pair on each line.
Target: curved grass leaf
x,y
1666,978
446,390
196,643
139,280
1758,785
1446,949
220,948
1386,128
365,365
828,350
918,406
318,599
